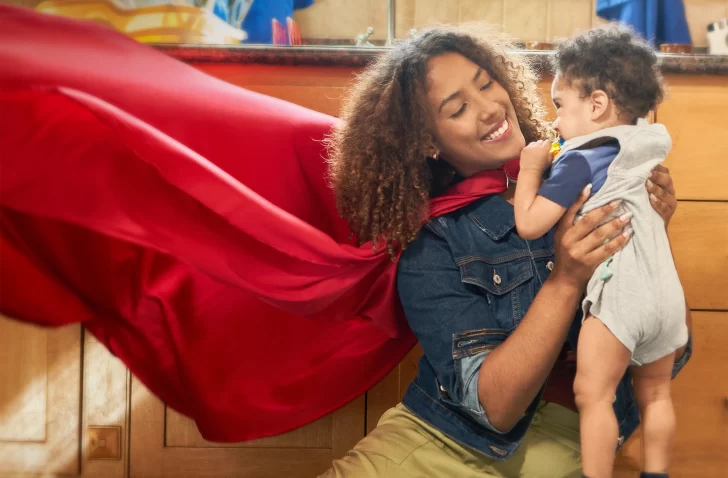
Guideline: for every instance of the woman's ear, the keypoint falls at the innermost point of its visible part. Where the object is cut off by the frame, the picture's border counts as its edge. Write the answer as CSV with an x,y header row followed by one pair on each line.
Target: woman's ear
x,y
599,103
433,152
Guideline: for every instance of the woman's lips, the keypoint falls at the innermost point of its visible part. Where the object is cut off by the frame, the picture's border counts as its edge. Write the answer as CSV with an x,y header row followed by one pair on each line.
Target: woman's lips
x,y
500,133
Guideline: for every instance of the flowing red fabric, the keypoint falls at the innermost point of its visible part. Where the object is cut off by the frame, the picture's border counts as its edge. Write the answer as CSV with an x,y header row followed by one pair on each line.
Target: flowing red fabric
x,y
188,224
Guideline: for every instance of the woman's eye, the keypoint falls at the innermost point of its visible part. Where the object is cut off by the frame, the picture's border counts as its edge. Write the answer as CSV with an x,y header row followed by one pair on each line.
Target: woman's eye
x,y
486,86
460,111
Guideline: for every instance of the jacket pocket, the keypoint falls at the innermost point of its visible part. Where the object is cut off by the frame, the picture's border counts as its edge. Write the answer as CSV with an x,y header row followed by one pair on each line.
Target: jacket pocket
x,y
505,284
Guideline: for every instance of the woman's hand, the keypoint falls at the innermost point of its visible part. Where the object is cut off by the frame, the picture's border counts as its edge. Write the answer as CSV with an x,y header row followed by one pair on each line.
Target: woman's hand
x,y
662,193
581,247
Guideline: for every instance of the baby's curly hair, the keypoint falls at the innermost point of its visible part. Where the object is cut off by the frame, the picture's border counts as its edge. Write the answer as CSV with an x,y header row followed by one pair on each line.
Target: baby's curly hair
x,y
617,61
378,161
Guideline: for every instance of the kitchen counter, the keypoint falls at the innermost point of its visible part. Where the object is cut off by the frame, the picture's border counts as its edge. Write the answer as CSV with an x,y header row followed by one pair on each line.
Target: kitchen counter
x,y
693,64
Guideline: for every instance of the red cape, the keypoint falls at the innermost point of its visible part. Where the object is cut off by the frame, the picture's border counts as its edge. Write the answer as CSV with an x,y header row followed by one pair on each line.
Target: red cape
x,y
188,224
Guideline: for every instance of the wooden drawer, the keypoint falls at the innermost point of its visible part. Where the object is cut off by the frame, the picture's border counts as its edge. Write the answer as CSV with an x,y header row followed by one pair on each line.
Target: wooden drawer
x,y
318,88
699,237
695,114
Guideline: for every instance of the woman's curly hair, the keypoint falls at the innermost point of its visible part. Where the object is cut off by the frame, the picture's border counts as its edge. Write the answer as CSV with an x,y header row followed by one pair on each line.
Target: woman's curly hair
x,y
619,62
378,161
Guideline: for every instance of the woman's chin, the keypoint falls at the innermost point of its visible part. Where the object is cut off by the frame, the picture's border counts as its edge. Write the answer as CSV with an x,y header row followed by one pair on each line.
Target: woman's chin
x,y
509,152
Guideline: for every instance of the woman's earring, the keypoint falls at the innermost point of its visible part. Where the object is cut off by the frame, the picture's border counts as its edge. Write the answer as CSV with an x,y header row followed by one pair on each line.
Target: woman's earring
x,y
436,156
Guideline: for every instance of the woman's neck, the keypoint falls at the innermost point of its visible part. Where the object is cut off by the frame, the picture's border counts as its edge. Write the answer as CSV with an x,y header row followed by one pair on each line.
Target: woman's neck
x,y
509,193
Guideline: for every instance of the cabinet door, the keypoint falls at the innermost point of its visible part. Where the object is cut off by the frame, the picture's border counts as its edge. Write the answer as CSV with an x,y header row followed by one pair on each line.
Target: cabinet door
x,y
167,444
699,237
694,114
40,395
390,391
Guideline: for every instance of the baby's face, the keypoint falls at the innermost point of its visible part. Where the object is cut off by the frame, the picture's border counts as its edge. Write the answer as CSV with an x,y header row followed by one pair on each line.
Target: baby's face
x,y
573,113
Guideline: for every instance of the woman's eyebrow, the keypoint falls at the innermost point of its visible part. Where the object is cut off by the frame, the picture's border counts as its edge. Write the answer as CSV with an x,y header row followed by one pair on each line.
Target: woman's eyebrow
x,y
477,75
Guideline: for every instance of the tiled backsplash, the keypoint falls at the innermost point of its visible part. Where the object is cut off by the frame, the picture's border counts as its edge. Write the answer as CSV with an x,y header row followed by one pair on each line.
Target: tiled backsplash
x,y
527,20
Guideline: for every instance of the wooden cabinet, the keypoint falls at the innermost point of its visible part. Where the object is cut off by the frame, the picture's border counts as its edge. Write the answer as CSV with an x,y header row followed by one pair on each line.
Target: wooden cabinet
x,y
695,114
318,88
55,386
40,393
392,388
699,236
59,385
164,444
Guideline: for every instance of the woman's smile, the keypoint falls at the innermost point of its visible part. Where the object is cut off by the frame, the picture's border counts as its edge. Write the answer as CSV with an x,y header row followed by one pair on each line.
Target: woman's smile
x,y
499,132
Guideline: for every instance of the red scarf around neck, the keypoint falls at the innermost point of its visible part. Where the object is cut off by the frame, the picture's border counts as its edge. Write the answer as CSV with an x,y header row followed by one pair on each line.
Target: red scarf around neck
x,y
188,224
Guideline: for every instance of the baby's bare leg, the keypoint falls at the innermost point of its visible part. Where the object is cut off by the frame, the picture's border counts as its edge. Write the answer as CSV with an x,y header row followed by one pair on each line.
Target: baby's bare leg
x,y
652,392
600,363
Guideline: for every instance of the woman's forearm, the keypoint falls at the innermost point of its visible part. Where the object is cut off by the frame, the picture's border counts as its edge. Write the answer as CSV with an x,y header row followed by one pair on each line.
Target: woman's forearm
x,y
513,373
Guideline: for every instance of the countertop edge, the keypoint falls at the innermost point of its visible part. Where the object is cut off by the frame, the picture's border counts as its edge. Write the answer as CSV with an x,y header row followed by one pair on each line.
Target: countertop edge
x,y
358,57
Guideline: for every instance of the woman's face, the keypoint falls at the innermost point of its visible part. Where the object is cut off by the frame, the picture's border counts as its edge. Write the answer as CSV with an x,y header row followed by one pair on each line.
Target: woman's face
x,y
475,122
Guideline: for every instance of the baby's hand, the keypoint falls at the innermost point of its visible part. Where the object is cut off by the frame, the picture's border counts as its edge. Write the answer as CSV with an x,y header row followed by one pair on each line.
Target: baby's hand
x,y
536,156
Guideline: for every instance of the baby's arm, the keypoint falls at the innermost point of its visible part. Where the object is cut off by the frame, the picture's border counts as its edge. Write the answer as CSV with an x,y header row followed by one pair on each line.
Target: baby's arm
x,y
535,215
539,207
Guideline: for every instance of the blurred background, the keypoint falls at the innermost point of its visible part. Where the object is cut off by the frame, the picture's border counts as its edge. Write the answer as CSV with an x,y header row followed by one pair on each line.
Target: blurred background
x,y
337,22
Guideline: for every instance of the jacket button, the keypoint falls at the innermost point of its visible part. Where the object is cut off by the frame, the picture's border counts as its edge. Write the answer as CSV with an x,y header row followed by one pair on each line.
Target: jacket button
x,y
496,279
620,441
550,265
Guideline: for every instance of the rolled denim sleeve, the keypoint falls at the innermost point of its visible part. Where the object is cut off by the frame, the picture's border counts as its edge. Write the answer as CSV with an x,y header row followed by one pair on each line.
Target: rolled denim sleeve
x,y
439,306
470,370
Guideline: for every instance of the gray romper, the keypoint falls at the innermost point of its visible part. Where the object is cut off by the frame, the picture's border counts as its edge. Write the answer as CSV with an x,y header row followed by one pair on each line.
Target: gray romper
x,y
637,293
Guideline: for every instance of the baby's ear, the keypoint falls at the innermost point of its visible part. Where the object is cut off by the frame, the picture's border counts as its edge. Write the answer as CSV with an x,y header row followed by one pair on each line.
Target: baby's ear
x,y
599,103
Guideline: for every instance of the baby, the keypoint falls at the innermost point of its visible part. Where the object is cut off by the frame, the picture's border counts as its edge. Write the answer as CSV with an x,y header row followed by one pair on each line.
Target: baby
x,y
606,81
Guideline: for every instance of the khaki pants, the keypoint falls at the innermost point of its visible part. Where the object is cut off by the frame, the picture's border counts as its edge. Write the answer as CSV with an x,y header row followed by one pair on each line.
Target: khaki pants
x,y
404,446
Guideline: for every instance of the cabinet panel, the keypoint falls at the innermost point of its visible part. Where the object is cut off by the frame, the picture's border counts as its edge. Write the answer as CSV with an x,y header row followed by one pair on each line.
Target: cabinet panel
x,y
694,113
40,393
165,444
699,237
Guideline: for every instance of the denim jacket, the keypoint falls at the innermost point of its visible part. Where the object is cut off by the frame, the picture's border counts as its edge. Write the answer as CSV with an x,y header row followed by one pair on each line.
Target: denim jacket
x,y
465,284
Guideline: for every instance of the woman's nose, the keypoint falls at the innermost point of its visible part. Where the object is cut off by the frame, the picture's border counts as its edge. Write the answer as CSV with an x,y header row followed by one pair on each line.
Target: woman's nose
x,y
489,111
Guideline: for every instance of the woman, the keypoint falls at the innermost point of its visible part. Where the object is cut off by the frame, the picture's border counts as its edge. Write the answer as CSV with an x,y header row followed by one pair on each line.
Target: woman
x,y
491,310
